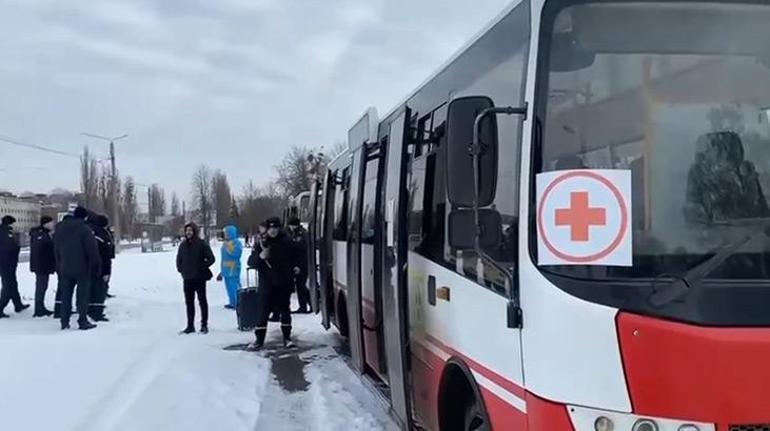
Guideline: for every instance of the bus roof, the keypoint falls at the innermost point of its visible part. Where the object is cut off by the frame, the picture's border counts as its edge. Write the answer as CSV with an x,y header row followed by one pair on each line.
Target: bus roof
x,y
454,56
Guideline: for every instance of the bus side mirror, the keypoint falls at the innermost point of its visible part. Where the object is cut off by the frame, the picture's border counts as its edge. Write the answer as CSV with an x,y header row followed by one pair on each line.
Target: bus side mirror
x,y
463,230
461,121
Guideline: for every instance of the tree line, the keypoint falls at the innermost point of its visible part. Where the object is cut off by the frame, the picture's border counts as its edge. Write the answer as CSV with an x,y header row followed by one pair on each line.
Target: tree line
x,y
96,186
215,204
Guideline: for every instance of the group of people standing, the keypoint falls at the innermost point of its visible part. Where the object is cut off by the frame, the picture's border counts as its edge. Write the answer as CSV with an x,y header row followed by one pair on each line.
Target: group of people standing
x,y
278,255
79,250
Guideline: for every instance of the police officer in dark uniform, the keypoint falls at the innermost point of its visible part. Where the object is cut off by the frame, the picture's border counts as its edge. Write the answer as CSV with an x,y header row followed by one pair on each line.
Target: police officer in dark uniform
x,y
42,262
99,224
276,258
9,261
77,260
299,236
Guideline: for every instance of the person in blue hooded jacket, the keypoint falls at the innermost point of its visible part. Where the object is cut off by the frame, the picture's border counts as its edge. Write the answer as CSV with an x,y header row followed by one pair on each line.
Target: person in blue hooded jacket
x,y
232,248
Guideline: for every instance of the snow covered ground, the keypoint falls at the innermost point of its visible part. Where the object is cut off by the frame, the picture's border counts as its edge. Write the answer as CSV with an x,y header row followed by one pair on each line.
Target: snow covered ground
x,y
136,373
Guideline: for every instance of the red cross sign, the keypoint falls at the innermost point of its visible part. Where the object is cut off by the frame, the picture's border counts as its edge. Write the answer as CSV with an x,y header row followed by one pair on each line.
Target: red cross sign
x,y
579,216
583,217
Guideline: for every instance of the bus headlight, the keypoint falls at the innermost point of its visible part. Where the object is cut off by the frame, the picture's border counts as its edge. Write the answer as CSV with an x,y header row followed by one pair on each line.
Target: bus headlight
x,y
585,419
645,425
603,423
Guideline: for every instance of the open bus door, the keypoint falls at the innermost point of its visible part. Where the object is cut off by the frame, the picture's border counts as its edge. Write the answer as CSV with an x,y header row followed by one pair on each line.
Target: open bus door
x,y
325,249
393,261
312,246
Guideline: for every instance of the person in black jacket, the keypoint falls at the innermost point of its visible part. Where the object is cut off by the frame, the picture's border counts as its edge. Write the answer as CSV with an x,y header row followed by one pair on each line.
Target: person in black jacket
x,y
193,260
42,262
77,260
276,258
9,261
99,225
299,236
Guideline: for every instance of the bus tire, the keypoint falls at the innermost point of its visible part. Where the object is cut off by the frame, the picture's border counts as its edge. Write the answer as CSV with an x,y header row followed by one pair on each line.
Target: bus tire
x,y
461,407
342,316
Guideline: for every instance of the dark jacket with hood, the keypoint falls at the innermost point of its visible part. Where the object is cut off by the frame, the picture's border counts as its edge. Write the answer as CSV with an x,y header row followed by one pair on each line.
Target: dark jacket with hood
x,y
299,236
277,271
75,249
194,257
99,224
9,248
42,259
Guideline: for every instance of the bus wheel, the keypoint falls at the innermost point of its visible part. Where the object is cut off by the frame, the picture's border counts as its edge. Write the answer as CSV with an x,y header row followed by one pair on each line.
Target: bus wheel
x,y
460,405
475,418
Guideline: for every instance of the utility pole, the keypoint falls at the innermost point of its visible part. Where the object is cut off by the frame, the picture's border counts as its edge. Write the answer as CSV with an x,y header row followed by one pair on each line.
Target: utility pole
x,y
150,206
113,185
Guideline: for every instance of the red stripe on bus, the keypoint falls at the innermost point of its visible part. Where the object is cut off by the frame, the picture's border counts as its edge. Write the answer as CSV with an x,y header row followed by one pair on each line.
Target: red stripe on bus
x,y
544,415
502,415
481,369
428,369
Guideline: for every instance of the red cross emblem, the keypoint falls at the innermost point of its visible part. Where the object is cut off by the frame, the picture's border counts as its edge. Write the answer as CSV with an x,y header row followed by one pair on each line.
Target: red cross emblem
x,y
580,216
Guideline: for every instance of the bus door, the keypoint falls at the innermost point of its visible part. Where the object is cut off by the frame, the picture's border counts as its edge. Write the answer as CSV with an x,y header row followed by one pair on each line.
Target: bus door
x,y
353,298
312,242
326,246
393,244
371,284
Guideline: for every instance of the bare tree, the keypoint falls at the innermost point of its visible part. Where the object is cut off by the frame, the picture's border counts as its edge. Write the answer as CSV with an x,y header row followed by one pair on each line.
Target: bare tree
x,y
293,173
337,149
129,209
257,204
89,178
222,198
157,202
175,211
201,196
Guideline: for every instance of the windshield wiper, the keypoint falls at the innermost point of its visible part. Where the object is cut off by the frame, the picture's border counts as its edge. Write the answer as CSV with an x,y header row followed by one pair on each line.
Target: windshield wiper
x,y
691,279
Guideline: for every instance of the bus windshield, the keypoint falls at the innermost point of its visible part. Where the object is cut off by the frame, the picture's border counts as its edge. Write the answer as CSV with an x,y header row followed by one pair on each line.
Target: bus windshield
x,y
678,93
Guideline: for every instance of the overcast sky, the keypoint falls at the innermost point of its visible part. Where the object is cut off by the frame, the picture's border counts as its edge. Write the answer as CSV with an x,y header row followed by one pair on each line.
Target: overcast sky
x,y
229,83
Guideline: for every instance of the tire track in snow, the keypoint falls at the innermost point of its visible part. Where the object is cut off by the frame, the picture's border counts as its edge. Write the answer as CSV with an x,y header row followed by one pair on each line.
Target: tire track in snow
x,y
149,363
334,400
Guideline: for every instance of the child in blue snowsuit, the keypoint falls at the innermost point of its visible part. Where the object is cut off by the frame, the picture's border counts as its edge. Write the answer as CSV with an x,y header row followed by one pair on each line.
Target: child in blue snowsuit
x,y
231,265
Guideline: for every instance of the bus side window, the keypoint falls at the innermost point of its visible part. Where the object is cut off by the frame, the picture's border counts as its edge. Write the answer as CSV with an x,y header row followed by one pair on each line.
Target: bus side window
x,y
341,206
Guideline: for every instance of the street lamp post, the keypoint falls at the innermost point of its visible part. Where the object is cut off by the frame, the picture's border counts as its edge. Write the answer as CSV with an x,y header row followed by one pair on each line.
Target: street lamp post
x,y
113,184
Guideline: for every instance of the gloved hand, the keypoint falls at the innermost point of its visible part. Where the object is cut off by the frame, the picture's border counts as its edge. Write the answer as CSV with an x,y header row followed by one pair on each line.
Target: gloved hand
x,y
219,277
106,278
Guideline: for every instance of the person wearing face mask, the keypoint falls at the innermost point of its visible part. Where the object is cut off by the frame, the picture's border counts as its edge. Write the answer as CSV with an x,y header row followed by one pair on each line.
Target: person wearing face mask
x,y
42,262
276,258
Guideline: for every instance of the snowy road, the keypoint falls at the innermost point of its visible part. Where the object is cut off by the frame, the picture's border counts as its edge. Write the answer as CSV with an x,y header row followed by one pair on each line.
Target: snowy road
x,y
135,373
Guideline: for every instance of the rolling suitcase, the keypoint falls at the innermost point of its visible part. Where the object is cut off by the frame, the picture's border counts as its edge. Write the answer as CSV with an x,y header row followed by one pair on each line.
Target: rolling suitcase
x,y
248,300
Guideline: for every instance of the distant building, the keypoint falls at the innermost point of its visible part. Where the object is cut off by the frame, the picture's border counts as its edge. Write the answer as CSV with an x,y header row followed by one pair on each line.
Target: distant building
x,y
26,212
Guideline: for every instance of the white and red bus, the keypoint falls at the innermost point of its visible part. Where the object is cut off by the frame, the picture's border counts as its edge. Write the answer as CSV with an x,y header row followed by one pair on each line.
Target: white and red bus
x,y
565,228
